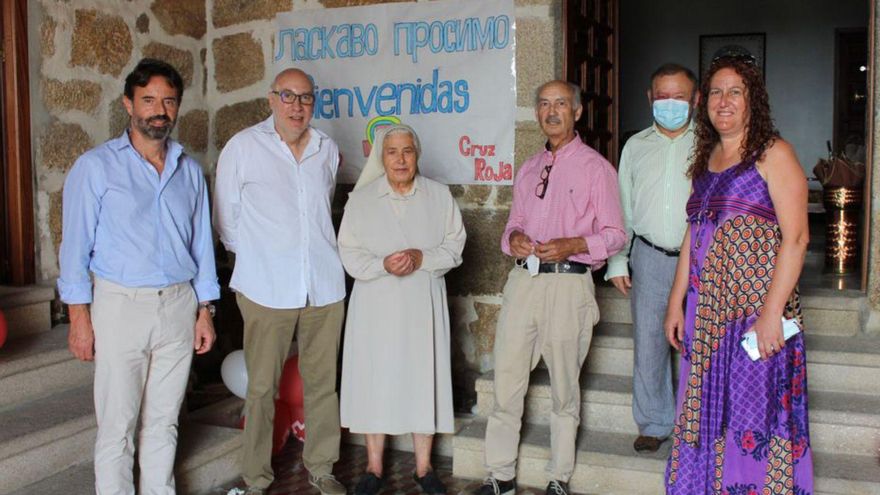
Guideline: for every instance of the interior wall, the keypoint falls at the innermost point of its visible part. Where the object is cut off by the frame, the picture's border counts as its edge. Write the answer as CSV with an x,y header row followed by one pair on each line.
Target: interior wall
x,y
799,56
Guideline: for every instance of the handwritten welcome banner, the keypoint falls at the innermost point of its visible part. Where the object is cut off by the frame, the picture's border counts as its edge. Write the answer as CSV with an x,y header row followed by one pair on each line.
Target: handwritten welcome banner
x,y
446,68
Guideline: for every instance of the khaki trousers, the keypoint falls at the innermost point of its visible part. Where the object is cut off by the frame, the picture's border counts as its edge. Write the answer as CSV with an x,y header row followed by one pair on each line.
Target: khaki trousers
x,y
268,333
550,316
143,350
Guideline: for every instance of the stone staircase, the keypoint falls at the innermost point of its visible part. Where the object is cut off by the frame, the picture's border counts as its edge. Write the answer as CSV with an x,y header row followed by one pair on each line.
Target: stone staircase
x,y
844,386
47,422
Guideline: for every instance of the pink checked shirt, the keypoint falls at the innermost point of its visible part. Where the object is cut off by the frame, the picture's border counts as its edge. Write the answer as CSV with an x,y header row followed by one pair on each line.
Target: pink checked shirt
x,y
582,200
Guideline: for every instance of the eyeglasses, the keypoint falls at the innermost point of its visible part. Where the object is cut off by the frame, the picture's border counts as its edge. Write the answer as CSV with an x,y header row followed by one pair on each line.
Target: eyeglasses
x,y
541,190
289,97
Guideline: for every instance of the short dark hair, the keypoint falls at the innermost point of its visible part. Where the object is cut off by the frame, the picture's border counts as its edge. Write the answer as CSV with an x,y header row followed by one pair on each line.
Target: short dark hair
x,y
146,69
671,69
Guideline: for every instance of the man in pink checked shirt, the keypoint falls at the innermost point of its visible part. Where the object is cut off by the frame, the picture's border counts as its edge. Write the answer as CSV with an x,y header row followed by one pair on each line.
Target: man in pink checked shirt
x,y
565,222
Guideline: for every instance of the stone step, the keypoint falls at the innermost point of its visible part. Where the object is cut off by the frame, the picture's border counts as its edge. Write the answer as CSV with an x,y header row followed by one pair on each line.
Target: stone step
x,y
36,365
607,464
839,422
27,309
75,479
207,455
228,413
826,312
834,363
45,436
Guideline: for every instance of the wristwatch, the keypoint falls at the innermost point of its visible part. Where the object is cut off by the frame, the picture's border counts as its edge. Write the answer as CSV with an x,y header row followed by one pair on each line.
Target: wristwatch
x,y
212,310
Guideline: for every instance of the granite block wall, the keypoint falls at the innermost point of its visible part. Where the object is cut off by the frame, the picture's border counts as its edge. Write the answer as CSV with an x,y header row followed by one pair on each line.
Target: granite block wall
x,y
224,49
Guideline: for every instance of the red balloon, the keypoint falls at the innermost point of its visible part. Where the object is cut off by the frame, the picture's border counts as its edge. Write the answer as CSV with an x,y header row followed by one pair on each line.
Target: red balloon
x,y
298,423
289,414
290,390
3,329
286,422
281,431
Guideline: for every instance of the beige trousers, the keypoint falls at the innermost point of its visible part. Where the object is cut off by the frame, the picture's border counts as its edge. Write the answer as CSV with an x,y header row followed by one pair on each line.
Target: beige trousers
x,y
268,333
550,316
143,350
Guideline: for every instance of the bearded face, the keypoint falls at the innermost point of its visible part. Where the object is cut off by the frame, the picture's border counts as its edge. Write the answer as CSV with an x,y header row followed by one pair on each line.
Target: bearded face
x,y
153,108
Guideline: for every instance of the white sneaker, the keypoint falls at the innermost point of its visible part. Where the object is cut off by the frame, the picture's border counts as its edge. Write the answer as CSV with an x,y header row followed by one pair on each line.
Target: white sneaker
x,y
246,491
327,484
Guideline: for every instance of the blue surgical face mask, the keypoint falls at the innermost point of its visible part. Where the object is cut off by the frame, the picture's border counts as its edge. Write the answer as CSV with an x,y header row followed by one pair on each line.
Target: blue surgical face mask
x,y
671,114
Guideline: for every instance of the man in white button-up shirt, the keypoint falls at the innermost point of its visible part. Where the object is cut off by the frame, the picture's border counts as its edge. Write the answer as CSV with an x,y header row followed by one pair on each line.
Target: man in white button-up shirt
x,y
275,183
654,188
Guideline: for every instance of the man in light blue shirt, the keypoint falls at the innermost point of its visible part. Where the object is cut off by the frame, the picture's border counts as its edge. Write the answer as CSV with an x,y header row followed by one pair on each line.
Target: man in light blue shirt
x,y
136,217
654,188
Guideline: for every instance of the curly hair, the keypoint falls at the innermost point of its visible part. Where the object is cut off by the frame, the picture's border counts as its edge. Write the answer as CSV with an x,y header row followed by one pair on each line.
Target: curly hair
x,y
760,131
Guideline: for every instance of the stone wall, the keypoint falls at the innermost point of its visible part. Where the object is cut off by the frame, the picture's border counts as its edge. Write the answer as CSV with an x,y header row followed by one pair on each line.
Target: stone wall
x,y
224,50
79,58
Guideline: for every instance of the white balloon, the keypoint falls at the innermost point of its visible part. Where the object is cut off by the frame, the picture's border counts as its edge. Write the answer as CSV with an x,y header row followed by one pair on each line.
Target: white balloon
x,y
234,373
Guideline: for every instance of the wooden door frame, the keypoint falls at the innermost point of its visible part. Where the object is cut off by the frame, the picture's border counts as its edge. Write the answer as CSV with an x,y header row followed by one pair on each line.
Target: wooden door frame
x,y
615,85
17,128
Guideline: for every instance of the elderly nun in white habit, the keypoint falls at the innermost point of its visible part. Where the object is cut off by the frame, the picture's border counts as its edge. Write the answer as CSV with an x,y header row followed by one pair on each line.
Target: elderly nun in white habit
x,y
400,234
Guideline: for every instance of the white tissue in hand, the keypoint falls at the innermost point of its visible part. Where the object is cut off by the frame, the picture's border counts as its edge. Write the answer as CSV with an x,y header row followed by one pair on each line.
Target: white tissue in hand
x,y
533,264
790,328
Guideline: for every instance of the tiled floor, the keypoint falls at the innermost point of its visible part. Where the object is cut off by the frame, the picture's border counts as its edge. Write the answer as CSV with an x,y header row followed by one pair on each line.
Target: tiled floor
x,y
292,477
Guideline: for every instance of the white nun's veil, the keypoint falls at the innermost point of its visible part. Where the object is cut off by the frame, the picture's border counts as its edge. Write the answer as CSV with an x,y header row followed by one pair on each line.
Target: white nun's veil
x,y
375,168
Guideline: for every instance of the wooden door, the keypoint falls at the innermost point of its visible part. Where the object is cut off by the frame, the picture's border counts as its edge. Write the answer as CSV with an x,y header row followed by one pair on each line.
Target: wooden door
x,y
850,87
590,61
4,224
17,263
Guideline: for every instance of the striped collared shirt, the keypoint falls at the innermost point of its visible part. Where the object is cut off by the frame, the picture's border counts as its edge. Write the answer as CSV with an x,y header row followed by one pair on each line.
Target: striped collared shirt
x,y
654,188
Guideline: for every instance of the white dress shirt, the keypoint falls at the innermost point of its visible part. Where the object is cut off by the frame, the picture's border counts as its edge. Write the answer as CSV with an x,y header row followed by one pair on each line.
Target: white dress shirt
x,y
273,212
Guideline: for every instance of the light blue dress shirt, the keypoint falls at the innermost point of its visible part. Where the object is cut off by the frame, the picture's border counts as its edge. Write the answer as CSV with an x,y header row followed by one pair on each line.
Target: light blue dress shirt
x,y
127,224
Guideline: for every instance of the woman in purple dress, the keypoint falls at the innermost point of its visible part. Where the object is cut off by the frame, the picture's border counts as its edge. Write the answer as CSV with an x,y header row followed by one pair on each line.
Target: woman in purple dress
x,y
741,426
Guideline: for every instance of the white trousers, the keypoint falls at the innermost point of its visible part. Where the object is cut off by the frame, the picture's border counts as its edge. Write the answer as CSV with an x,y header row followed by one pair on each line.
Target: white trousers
x,y
143,350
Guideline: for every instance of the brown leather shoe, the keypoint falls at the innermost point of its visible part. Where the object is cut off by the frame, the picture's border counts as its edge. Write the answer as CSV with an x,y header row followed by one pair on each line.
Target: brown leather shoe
x,y
647,444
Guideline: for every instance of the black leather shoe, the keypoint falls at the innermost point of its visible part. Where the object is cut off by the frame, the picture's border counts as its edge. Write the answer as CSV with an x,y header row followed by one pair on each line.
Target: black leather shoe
x,y
430,483
369,484
647,444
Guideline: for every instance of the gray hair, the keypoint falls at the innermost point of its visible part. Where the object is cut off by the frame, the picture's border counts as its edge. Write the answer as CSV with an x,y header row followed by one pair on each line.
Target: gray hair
x,y
573,88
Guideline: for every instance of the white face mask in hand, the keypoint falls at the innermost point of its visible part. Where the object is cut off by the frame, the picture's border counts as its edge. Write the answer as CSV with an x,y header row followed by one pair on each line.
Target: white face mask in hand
x,y
533,264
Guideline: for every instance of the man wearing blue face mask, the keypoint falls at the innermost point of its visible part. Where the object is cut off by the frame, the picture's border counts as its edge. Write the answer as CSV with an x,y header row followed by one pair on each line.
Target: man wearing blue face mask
x,y
654,188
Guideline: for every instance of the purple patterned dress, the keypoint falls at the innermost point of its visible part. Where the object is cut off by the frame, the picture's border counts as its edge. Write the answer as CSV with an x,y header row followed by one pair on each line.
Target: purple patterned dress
x,y
741,426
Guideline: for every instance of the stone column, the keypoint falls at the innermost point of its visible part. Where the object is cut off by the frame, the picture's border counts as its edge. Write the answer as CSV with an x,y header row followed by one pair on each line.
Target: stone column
x,y
872,323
